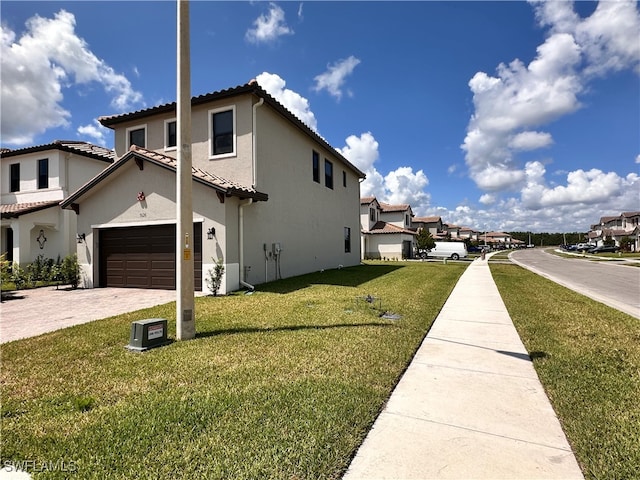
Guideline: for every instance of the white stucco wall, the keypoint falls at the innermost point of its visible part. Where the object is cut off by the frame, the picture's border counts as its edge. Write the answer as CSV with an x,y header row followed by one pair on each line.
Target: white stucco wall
x,y
306,218
114,203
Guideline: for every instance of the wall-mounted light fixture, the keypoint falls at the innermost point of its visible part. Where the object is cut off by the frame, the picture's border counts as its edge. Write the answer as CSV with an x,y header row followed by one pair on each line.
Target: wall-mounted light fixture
x,y
211,233
80,237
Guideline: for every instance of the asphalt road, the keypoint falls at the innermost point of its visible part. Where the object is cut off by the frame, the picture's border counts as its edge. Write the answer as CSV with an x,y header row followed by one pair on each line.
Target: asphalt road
x,y
612,283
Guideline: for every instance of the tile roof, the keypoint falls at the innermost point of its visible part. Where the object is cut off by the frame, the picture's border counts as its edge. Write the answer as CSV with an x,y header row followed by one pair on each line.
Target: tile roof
x,y
426,219
366,200
385,207
229,187
249,88
14,210
218,183
384,227
74,146
630,214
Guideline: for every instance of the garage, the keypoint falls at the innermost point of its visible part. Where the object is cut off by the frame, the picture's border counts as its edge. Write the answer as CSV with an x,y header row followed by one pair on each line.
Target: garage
x,y
144,257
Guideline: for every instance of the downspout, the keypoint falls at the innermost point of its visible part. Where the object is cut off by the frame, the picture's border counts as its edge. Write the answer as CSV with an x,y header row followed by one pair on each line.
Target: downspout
x,y
254,161
241,242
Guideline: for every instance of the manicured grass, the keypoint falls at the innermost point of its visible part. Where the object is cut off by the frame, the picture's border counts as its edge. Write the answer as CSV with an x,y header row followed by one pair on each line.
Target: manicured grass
x,y
283,383
587,356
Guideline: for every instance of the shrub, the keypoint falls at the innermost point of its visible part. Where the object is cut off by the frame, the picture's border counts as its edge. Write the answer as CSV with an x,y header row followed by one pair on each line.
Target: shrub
x,y
215,277
70,270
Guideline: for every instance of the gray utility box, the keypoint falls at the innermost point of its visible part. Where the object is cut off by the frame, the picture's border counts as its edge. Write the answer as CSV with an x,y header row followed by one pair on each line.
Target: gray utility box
x,y
146,334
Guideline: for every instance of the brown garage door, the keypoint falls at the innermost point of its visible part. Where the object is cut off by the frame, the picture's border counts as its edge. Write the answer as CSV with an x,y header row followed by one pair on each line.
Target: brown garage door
x,y
144,257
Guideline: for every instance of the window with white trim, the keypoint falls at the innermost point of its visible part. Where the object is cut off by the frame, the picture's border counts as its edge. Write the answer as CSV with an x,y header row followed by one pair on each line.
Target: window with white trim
x,y
137,136
170,134
43,173
222,132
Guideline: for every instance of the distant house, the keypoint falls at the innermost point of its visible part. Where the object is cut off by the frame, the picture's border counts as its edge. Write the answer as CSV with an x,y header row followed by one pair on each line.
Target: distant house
x,y
271,198
432,224
386,230
627,224
500,240
34,182
467,233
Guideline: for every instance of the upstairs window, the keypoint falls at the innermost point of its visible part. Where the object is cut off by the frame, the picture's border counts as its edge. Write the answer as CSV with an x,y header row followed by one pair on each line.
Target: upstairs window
x,y
222,128
15,177
328,174
170,134
316,167
43,173
372,214
137,136
344,179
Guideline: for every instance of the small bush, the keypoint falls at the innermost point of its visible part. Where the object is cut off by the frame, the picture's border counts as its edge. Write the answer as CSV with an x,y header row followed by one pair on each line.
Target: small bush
x,y
70,271
214,280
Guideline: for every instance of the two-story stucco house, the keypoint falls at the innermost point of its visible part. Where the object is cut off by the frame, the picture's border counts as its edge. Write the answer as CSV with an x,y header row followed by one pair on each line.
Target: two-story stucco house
x,y
271,198
386,230
433,225
34,182
617,227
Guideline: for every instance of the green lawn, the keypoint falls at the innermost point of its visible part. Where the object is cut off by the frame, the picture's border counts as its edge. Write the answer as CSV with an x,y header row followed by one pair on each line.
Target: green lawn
x,y
284,383
587,356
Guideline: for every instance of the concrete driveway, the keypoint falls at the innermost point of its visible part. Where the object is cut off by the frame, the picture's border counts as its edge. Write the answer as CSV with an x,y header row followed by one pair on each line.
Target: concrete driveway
x,y
27,313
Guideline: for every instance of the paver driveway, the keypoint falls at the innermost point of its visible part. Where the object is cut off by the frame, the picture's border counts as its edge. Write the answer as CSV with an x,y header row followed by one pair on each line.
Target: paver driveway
x,y
28,313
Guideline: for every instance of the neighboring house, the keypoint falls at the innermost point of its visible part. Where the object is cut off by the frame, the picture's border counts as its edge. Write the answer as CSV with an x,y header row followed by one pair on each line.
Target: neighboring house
x,y
432,224
499,240
452,232
386,230
627,224
34,182
271,198
467,233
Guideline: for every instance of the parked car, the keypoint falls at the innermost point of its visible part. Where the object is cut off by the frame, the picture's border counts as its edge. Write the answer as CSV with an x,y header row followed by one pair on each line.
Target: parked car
x,y
604,249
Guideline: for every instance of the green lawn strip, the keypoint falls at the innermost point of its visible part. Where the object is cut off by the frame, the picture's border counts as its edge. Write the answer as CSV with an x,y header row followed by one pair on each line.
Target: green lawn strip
x,y
283,383
587,356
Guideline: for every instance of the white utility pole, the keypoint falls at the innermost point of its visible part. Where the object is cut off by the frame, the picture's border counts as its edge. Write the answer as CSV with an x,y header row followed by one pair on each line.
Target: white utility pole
x,y
185,313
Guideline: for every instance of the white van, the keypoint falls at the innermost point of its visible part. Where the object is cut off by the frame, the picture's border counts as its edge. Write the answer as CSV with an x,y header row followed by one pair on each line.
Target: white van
x,y
453,250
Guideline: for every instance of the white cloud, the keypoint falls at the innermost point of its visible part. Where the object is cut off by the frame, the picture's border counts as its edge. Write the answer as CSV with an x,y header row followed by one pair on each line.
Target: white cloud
x,y
269,27
293,101
96,131
507,106
401,185
47,58
530,140
487,199
604,37
583,187
512,105
334,78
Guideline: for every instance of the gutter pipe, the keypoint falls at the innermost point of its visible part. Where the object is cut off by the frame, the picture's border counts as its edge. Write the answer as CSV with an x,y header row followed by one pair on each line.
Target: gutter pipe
x,y
241,242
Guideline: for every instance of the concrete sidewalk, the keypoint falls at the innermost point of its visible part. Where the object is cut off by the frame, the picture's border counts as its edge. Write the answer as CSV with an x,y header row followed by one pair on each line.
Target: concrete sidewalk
x,y
470,405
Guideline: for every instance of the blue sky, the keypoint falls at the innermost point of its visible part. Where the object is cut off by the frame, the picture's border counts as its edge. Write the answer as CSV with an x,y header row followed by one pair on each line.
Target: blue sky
x,y
493,115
